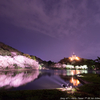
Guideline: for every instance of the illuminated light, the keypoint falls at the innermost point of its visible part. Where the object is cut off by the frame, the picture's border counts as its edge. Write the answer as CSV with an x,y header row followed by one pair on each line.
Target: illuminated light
x,y
81,67
74,81
76,67
72,73
69,88
69,66
74,57
85,67
71,58
77,58
80,76
77,72
85,71
65,89
78,82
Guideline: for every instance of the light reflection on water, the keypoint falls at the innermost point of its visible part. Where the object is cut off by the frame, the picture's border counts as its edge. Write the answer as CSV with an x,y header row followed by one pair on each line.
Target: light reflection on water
x,y
75,82
42,79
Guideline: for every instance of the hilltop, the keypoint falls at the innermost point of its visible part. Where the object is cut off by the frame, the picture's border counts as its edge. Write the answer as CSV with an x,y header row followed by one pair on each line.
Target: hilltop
x,y
77,61
6,50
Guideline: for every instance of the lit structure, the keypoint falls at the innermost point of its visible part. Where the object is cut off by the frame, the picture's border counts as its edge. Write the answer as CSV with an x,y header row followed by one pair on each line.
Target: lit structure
x,y
74,57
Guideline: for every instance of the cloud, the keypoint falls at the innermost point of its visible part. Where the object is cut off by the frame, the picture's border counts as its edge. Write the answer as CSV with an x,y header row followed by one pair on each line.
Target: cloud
x,y
56,18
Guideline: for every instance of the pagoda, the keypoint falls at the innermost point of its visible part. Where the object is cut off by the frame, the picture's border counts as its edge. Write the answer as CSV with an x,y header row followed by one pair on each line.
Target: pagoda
x,y
74,57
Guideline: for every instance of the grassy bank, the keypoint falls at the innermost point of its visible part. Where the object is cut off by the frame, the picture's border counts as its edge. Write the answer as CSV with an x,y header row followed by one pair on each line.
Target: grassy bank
x,y
47,94
33,95
93,88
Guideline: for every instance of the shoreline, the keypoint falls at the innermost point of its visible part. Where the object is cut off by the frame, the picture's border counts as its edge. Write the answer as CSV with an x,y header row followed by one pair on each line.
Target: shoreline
x,y
18,69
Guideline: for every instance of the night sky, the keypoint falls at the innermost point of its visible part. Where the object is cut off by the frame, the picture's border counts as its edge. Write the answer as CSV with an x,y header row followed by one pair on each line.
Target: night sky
x,y
51,29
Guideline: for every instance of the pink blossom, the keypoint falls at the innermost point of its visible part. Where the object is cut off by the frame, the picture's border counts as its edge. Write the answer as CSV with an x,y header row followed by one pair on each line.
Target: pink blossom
x,y
21,61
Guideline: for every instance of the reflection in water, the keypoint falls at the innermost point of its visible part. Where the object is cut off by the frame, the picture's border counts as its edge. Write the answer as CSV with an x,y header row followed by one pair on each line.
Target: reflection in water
x,y
74,72
16,79
45,79
69,72
66,76
74,81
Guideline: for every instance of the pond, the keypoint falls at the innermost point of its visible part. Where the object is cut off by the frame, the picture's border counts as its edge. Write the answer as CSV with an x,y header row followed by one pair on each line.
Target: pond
x,y
39,79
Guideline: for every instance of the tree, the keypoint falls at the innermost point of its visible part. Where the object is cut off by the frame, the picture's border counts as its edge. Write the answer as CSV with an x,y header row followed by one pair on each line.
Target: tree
x,y
33,57
98,59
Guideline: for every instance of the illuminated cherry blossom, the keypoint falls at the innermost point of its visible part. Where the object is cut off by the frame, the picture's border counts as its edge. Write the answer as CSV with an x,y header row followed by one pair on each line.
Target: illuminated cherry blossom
x,y
21,61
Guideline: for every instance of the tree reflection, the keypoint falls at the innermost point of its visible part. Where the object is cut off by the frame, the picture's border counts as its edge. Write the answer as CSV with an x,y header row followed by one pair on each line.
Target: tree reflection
x,y
16,79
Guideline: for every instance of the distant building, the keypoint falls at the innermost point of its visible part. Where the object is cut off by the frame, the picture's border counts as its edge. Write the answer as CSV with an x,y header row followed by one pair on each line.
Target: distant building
x,y
74,57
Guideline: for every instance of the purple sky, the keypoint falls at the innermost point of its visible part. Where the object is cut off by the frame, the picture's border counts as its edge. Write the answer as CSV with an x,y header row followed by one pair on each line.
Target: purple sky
x,y
52,29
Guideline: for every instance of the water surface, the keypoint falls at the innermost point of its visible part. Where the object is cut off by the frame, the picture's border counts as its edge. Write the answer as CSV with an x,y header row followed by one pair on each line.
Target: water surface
x,y
40,79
